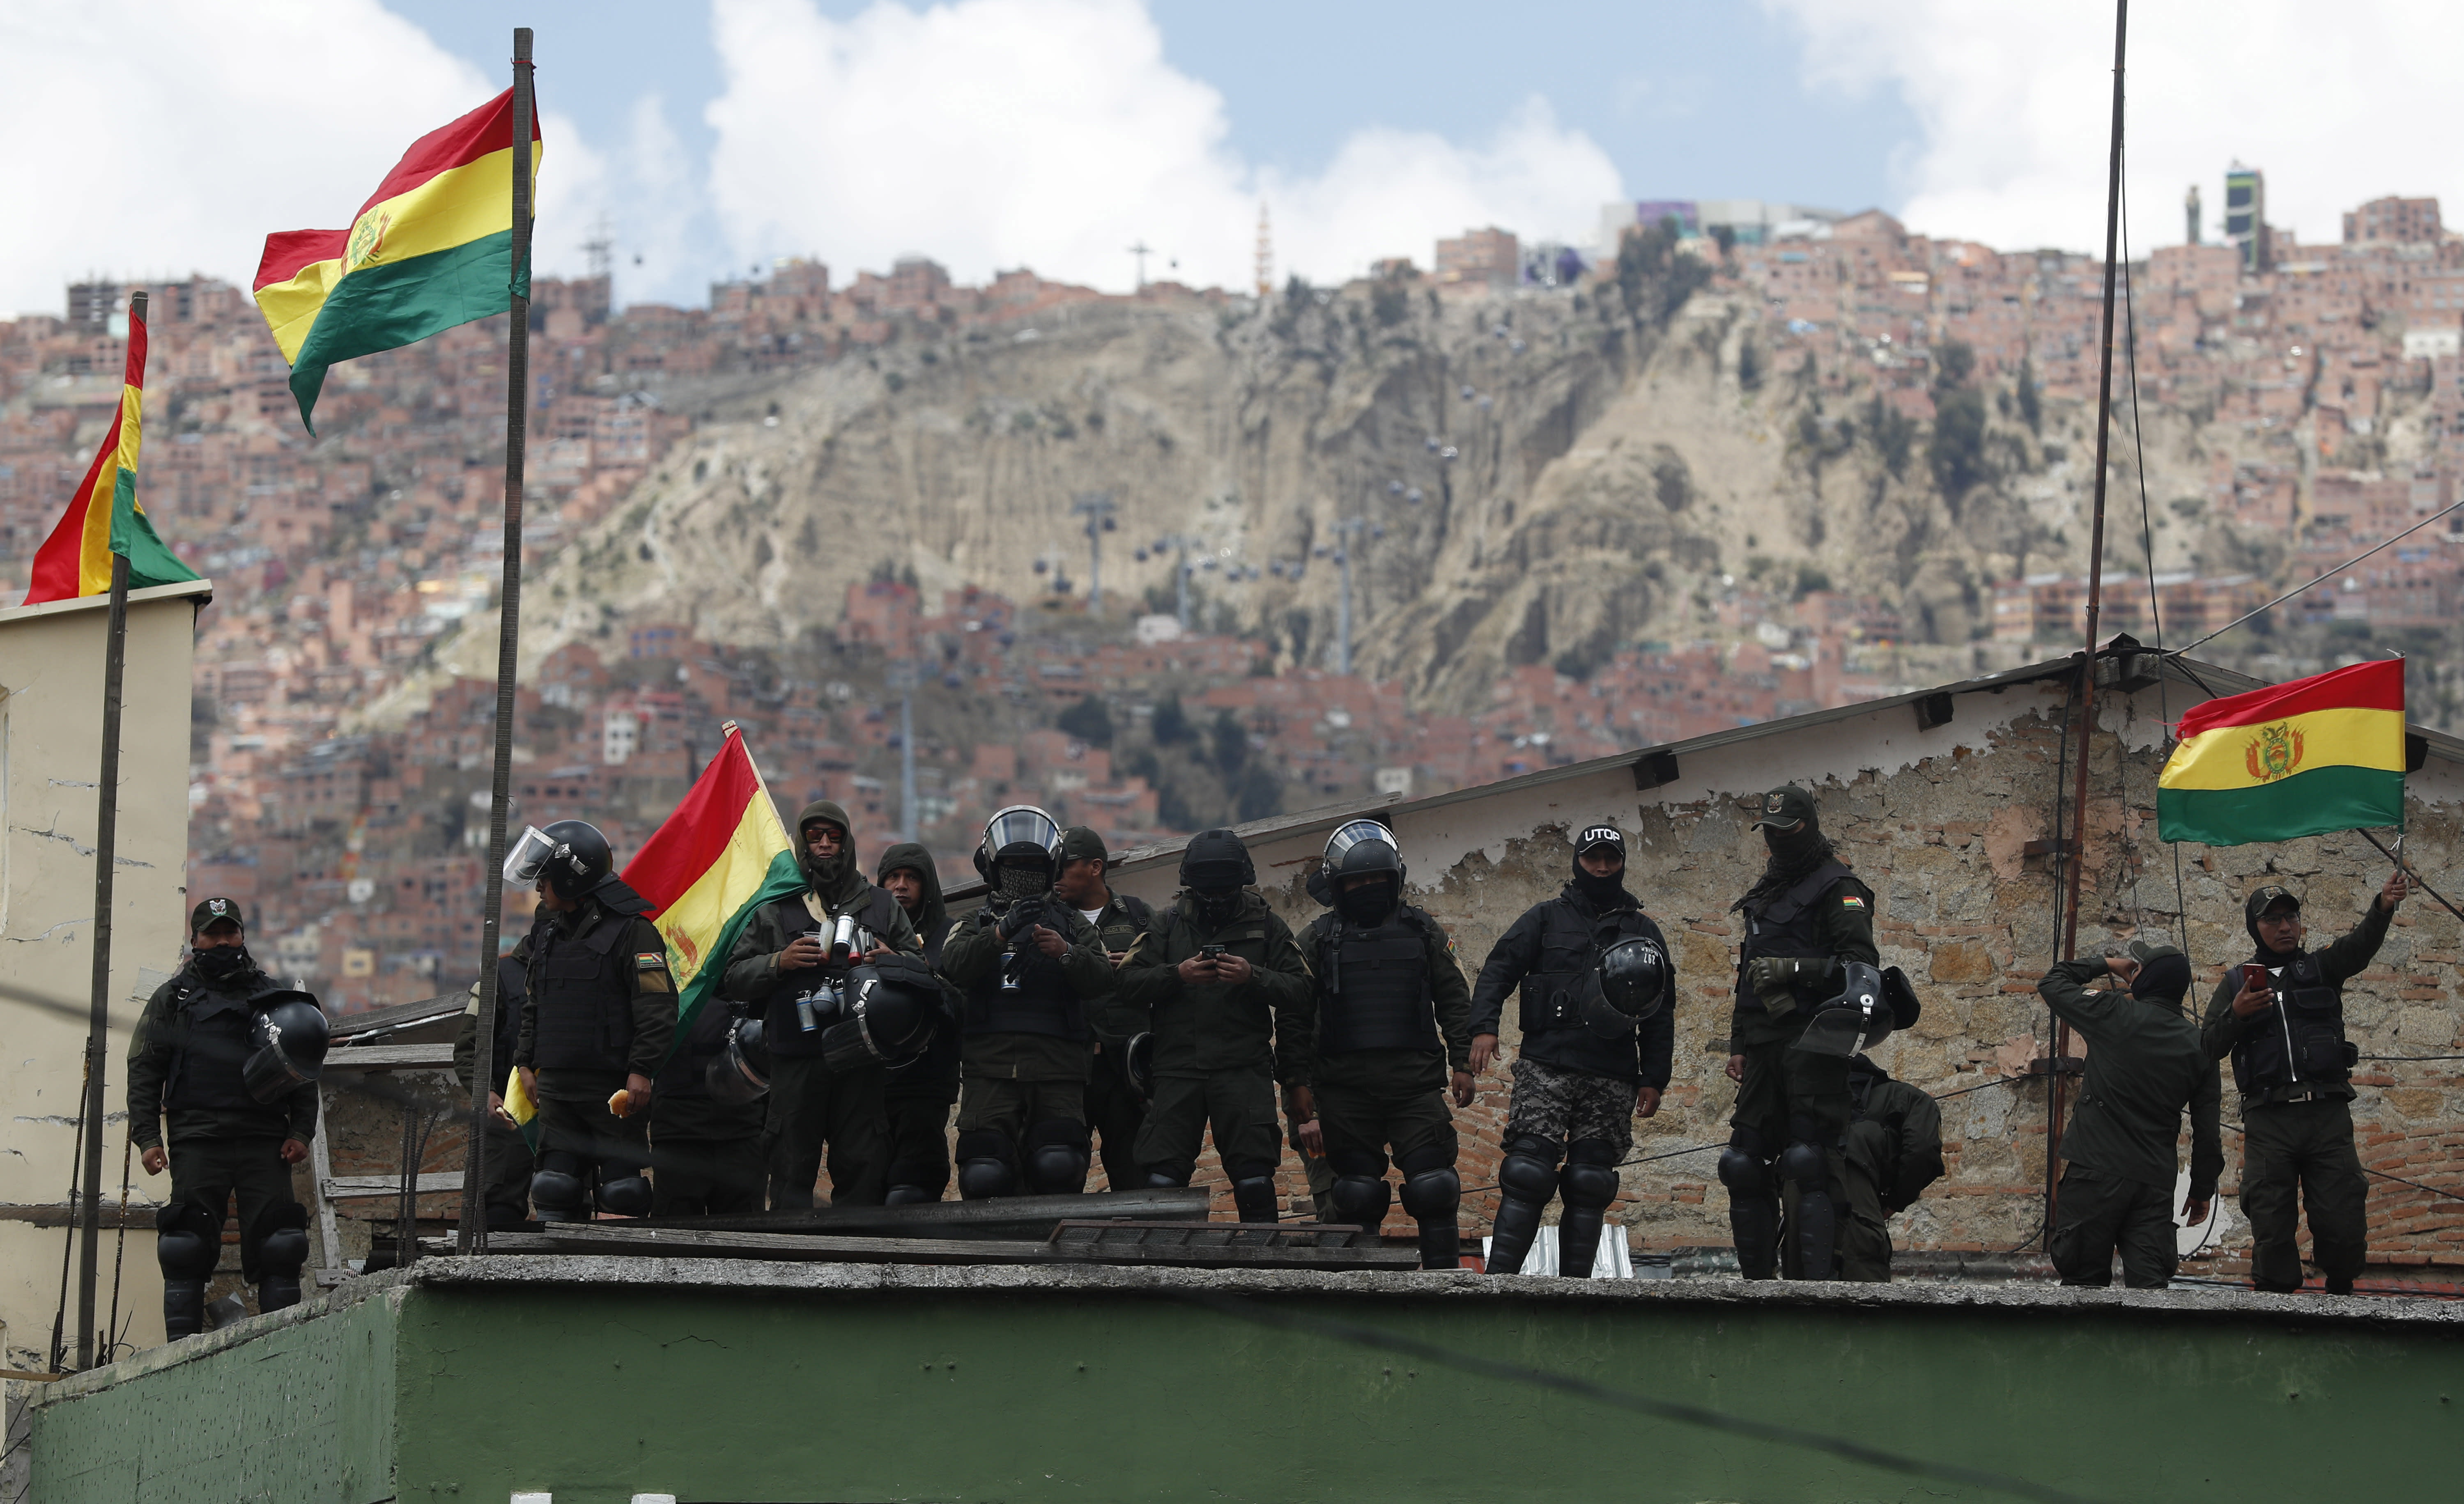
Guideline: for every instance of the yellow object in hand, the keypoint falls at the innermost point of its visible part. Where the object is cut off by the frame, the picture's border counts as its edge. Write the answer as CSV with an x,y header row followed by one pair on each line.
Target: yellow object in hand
x,y
518,1106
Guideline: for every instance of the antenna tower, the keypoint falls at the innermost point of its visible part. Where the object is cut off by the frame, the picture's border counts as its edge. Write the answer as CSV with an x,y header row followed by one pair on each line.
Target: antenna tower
x,y
1266,253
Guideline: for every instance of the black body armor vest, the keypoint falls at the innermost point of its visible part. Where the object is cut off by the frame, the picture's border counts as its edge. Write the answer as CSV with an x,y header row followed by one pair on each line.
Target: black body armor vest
x,y
584,1019
1374,992
209,1074
1785,926
1554,994
1028,993
783,1031
2301,1041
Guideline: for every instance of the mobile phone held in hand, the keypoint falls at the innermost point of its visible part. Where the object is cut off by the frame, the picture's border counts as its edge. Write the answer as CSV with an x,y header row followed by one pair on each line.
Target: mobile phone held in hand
x,y
2254,977
1210,952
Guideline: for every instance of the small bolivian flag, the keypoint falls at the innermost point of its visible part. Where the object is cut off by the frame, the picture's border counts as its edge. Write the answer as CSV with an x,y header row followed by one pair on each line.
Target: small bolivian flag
x,y
2317,755
520,1107
432,248
103,518
707,870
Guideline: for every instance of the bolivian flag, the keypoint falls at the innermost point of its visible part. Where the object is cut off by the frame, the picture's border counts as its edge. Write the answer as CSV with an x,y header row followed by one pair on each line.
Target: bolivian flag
x,y
2319,754
432,248
721,854
103,518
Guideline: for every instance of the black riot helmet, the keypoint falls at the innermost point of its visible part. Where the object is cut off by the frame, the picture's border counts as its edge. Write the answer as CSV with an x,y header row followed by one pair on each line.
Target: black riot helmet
x,y
1215,866
1021,853
1861,1016
572,856
290,1035
1363,849
740,1071
892,1006
1634,982
1138,1063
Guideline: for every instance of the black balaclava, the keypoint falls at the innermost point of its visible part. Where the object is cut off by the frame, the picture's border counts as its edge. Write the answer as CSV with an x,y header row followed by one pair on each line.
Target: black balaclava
x,y
1793,853
2257,905
1608,892
830,878
2163,979
1372,904
222,963
1013,880
1213,869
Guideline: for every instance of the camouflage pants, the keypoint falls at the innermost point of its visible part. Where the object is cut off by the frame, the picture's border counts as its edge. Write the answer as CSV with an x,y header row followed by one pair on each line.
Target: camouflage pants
x,y
1562,1105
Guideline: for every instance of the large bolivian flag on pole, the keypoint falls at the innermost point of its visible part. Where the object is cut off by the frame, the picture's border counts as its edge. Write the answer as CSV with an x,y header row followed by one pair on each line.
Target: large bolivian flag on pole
x,y
720,856
2317,755
432,248
103,518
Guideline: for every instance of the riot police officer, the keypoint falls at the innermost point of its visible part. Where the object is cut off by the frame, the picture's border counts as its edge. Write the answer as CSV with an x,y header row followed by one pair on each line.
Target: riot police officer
x,y
1805,918
788,965
1027,967
507,1195
1219,982
1893,1152
599,1009
2293,1069
1590,1063
917,1097
707,1140
1393,1035
227,1057
1115,1109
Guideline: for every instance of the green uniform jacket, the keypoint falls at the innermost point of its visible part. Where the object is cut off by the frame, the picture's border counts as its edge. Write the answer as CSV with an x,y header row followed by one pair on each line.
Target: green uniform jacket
x,y
1262,1023
1845,931
1448,993
2144,1064
162,1034
651,992
1913,1122
2338,964
973,949
753,972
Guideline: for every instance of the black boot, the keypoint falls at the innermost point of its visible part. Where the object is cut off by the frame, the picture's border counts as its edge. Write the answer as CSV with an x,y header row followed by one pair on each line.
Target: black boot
x,y
183,1308
275,1293
1440,1245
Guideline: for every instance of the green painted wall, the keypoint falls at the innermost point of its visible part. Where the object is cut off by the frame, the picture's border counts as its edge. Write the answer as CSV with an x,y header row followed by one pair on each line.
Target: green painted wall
x,y
1015,1395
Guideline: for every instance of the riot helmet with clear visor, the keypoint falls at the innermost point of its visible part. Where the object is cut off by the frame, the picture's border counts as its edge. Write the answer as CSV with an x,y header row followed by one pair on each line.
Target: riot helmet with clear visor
x,y
1861,1016
1021,853
570,855
1633,985
1364,870
290,1035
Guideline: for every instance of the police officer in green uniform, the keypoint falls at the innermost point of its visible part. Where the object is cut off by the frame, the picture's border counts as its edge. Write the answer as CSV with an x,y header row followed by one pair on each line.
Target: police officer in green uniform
x,y
1221,985
780,967
917,1097
1806,915
1029,968
1114,1105
599,1009
2294,1070
1391,1037
2145,1063
1893,1152
235,1129
507,1195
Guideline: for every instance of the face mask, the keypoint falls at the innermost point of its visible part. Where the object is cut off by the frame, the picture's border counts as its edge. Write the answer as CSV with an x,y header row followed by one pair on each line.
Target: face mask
x,y
1370,903
1215,905
222,962
1014,882
1598,889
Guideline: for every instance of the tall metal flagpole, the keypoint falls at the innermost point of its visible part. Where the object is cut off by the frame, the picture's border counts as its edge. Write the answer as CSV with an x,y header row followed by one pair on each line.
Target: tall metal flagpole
x,y
485,1066
106,843
2078,854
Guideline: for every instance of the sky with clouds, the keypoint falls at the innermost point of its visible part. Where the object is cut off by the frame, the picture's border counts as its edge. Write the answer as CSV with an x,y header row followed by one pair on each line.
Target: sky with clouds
x,y
710,138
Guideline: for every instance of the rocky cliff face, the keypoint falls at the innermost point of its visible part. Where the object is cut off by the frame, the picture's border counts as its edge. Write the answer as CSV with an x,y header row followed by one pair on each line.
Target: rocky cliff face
x,y
1539,478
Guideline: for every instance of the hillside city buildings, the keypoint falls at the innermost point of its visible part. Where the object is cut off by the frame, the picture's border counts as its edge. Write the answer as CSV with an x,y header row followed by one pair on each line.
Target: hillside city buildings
x,y
341,561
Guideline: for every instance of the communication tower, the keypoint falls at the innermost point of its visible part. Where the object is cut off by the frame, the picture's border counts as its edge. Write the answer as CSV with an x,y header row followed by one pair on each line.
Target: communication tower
x,y
1266,253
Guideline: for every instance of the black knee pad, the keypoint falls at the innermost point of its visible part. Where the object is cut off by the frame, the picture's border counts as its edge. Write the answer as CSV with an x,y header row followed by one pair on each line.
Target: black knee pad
x,y
986,1166
1590,1178
1361,1201
282,1242
557,1193
1804,1167
1433,1194
1170,1174
1057,1155
1253,1199
1528,1171
626,1196
1741,1171
188,1240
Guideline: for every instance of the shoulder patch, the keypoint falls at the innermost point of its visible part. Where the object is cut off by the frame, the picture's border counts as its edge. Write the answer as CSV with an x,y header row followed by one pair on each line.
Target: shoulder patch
x,y
652,961
1851,901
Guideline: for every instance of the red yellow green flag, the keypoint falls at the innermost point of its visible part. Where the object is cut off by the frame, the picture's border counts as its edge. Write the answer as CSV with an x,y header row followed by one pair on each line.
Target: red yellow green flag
x,y
721,856
104,517
432,248
2317,755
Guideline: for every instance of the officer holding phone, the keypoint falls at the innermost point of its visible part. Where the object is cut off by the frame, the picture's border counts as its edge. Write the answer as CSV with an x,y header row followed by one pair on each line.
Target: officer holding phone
x,y
2280,1016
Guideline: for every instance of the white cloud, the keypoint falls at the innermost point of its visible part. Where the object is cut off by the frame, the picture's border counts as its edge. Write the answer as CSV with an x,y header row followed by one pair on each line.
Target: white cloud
x,y
1054,134
150,139
2016,103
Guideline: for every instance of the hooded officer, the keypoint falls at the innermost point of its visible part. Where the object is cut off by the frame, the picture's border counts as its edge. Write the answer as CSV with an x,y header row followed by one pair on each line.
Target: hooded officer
x,y
1219,983
918,1095
508,1192
2144,1064
1583,1076
1027,967
1392,1034
2292,1067
599,1009
1893,1152
1115,1108
782,967
192,1065
1805,916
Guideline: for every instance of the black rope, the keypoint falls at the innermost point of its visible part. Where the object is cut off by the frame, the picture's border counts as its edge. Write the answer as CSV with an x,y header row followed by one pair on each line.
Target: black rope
x,y
2406,868
2435,1191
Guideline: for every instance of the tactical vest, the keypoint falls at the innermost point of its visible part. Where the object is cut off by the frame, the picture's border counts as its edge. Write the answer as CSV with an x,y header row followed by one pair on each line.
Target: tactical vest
x,y
1026,993
1785,926
583,1018
1374,986
1555,992
2301,1041
207,1074
783,1031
